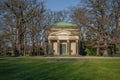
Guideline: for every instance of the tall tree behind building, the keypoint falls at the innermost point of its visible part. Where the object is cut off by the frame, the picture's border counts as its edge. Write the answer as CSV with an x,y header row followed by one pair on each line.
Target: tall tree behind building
x,y
96,17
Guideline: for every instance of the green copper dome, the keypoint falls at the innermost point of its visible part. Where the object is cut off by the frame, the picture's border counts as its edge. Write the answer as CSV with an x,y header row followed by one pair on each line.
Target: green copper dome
x,y
63,24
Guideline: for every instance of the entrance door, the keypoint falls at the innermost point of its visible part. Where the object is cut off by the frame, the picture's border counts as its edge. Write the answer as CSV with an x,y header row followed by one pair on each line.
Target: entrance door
x,y
62,49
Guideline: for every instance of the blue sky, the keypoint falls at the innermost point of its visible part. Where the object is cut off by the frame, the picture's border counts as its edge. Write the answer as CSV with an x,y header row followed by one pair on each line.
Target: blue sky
x,y
56,5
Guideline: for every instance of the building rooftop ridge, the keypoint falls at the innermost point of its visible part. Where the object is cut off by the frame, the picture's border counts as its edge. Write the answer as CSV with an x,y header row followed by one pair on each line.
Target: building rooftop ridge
x,y
63,24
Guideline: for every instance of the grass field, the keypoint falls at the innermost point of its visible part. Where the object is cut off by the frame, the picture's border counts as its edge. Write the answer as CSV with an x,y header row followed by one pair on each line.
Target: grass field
x,y
59,69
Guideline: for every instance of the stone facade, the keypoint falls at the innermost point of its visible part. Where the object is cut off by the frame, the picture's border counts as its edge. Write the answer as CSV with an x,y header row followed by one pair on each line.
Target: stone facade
x,y
62,40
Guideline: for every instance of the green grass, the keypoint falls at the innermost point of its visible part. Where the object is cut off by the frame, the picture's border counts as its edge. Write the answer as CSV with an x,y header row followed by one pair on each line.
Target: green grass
x,y
49,69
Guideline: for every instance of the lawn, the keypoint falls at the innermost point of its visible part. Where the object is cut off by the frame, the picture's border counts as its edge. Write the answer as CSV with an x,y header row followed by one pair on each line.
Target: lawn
x,y
59,69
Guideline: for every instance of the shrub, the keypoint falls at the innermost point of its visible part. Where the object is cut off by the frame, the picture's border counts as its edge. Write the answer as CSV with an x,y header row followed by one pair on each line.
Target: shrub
x,y
90,51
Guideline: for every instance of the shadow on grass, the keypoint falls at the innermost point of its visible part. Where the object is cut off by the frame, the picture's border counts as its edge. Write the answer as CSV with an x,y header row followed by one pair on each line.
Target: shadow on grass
x,y
43,69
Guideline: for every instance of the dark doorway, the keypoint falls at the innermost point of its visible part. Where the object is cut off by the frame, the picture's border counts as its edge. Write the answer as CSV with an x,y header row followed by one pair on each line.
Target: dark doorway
x,y
62,49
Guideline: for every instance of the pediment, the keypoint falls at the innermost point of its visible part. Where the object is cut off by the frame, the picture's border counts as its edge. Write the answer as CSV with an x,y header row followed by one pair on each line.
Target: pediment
x,y
61,33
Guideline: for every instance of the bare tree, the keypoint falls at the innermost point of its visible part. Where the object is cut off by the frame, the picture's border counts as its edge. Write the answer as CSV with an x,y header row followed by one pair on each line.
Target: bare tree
x,y
21,12
96,18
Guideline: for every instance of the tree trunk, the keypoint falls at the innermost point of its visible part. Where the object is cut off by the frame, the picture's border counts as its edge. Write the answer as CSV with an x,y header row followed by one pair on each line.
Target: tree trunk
x,y
33,45
20,40
98,48
106,48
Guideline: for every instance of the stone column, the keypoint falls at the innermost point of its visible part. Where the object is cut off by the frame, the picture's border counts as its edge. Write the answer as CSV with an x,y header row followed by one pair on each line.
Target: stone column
x,y
50,47
58,47
77,47
68,47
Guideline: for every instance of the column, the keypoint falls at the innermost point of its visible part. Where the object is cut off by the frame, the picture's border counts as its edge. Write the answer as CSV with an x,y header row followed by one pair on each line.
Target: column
x,y
58,47
50,47
68,47
77,47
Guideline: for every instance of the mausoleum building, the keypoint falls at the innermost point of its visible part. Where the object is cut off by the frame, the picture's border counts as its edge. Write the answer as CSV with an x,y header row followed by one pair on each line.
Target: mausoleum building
x,y
63,39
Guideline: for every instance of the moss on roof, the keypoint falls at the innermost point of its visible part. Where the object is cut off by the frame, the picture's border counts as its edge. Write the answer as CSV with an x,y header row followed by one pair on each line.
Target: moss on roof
x,y
63,24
